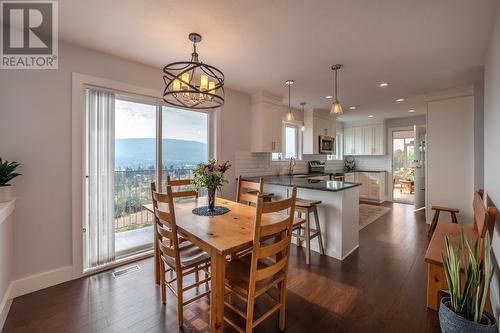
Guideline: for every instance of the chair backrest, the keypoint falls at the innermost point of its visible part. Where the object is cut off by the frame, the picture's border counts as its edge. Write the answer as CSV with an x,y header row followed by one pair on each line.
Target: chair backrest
x,y
182,192
271,241
166,228
243,187
484,218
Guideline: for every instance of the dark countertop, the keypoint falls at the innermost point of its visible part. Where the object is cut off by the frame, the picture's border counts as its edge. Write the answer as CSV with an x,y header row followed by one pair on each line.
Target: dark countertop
x,y
321,185
362,170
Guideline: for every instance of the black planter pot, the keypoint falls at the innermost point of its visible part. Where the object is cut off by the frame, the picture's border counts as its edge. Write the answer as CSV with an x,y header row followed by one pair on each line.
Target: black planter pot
x,y
451,322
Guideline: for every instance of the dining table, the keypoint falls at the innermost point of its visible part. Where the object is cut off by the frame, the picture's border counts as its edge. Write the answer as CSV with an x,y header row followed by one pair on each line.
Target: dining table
x,y
219,236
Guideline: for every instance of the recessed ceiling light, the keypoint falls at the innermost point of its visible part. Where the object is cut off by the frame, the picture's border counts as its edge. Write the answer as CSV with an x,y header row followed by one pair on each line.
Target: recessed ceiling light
x,y
411,111
329,97
370,116
400,100
383,84
352,108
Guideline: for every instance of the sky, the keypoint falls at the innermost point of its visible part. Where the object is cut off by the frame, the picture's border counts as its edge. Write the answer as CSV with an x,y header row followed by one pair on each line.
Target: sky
x,y
136,120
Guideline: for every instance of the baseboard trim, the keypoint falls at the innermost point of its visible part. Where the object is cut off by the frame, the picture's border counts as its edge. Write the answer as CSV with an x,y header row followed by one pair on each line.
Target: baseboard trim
x,y
5,306
40,281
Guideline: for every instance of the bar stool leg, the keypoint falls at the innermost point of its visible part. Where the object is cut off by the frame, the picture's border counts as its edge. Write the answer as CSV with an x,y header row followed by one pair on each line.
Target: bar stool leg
x,y
308,238
318,230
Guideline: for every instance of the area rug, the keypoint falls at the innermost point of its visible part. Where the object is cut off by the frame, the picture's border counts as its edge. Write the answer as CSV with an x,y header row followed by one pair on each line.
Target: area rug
x,y
370,213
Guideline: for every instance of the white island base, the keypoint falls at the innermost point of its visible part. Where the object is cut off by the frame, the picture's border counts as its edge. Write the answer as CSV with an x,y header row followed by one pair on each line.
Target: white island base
x,y
338,217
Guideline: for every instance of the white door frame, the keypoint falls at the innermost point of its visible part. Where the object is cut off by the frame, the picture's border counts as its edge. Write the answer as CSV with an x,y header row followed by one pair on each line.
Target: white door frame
x,y
390,131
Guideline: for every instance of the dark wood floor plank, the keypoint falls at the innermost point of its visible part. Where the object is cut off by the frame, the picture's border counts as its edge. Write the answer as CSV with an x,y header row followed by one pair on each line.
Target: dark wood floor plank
x,y
379,288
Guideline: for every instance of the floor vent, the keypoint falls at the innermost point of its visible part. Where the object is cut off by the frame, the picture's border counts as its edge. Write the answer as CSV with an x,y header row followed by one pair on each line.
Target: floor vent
x,y
124,271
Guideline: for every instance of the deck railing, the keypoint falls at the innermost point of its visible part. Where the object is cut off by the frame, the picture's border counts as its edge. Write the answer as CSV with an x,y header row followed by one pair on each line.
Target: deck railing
x,y
132,190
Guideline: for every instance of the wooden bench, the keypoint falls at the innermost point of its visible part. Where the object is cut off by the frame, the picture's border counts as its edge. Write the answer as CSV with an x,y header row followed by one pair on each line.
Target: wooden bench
x,y
484,219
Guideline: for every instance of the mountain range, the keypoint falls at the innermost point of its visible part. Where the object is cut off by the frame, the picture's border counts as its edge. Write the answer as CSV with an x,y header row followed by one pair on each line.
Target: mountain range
x,y
134,153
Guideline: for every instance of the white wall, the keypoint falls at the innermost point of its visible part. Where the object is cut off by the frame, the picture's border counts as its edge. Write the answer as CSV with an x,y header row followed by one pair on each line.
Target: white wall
x,y
450,154
491,148
6,260
35,129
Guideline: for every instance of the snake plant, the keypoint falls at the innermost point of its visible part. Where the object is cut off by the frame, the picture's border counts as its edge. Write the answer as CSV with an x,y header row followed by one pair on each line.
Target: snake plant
x,y
8,171
468,296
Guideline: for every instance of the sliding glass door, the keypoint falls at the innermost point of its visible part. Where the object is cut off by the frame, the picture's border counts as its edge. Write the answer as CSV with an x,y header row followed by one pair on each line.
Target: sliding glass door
x,y
185,142
122,160
135,170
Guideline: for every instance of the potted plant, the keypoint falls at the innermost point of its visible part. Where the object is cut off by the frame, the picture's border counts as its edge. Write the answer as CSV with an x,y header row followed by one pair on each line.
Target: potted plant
x,y
7,173
210,176
464,311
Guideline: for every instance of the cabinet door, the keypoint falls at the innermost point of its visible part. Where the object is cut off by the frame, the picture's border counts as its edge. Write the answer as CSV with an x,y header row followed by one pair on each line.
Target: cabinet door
x,y
368,148
378,140
276,120
349,177
349,141
358,141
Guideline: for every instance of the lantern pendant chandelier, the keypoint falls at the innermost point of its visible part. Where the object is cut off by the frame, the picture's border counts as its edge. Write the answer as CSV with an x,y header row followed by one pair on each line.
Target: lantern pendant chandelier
x,y
193,84
336,107
289,115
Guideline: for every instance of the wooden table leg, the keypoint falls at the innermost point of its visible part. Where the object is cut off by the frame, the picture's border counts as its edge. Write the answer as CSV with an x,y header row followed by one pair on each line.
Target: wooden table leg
x,y
218,271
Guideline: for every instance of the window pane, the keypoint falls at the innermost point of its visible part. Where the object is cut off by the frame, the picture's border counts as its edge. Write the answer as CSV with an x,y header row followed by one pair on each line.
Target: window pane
x,y
135,165
185,141
290,142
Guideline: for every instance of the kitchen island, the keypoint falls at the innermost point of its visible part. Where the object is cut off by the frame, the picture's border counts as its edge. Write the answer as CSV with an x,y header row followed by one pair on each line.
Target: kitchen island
x,y
338,211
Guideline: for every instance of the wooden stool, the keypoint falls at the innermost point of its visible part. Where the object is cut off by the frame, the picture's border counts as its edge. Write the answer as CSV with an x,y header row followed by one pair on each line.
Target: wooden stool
x,y
307,207
437,210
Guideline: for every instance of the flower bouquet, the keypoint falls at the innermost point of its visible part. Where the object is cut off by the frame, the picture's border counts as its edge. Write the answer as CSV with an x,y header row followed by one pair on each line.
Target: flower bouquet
x,y
211,176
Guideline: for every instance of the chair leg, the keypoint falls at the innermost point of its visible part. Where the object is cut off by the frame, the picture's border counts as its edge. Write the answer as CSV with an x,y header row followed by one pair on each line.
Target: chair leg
x,y
299,231
180,300
197,276
433,223
163,287
308,238
282,305
249,323
318,230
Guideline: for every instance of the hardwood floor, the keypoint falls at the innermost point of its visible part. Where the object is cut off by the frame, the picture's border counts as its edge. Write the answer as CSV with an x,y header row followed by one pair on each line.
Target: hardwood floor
x,y
379,288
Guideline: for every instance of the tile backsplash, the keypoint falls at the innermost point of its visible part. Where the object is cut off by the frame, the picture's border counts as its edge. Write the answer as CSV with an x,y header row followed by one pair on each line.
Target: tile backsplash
x,y
260,164
373,162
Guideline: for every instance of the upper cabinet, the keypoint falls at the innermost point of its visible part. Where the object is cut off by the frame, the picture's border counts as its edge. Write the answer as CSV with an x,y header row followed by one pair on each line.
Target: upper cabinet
x,y
364,140
317,123
266,123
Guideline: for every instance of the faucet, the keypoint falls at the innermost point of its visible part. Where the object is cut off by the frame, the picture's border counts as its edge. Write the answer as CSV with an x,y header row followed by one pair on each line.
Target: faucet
x,y
291,165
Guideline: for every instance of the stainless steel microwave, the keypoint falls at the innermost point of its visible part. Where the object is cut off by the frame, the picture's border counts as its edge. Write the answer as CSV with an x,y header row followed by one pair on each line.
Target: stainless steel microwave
x,y
326,145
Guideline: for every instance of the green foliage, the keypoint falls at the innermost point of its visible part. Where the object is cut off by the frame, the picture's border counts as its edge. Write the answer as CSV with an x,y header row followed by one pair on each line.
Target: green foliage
x,y
468,300
210,175
8,171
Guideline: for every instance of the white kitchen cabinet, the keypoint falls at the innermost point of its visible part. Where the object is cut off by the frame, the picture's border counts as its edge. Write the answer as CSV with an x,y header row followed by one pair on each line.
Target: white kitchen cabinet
x,y
317,123
349,141
359,137
266,123
372,187
364,140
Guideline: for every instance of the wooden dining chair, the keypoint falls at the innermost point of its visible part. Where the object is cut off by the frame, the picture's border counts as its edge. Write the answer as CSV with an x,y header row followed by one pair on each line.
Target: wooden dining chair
x,y
265,268
183,259
182,192
247,192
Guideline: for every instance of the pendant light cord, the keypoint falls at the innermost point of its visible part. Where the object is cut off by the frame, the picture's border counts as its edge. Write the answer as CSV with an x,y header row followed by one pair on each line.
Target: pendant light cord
x,y
289,89
336,84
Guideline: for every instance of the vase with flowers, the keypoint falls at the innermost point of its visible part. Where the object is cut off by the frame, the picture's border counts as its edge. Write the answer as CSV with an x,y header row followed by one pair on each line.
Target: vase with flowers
x,y
211,176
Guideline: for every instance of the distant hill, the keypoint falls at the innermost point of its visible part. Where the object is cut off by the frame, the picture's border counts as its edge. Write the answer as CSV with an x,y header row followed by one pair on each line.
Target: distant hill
x,y
135,153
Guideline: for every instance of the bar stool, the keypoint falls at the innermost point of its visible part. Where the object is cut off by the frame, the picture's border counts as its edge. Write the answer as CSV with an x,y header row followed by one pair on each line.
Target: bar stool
x,y
303,206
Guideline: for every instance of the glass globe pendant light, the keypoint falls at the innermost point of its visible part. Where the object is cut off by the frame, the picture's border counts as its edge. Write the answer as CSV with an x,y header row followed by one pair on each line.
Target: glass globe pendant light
x,y
336,107
303,127
193,84
289,115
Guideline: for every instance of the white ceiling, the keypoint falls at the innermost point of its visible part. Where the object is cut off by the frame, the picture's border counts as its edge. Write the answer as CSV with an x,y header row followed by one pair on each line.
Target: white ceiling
x,y
419,46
